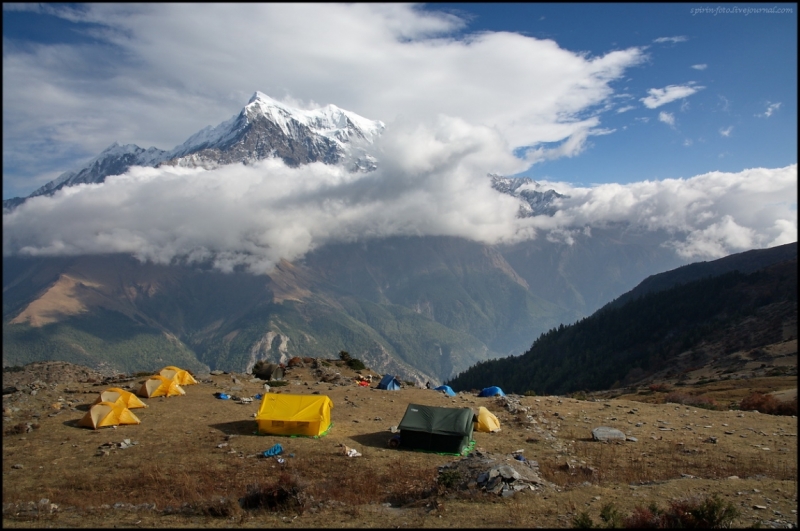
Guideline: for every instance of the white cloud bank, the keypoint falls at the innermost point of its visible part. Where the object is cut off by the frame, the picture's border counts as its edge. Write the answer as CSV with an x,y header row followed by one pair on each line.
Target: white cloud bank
x,y
431,181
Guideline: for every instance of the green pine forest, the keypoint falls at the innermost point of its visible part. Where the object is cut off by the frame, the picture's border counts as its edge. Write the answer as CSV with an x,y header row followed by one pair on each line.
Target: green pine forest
x,y
640,337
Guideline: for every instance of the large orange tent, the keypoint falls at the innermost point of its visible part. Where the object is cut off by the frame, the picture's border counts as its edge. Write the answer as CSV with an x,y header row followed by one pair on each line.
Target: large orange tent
x,y
285,414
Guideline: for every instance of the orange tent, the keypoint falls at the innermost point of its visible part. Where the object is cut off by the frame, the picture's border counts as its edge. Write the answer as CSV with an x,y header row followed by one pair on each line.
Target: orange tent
x,y
157,385
179,375
120,396
107,414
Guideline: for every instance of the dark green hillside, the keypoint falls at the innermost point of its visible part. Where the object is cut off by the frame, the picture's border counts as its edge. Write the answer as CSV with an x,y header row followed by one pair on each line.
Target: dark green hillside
x,y
746,262
644,335
98,338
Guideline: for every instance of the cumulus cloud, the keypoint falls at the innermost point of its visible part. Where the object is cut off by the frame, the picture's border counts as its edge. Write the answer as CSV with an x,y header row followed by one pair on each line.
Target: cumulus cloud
x,y
667,117
431,181
164,71
702,66
771,108
726,131
658,97
673,40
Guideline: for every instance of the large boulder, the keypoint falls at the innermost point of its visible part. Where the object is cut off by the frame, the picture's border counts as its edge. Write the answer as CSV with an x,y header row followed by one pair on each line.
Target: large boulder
x,y
604,433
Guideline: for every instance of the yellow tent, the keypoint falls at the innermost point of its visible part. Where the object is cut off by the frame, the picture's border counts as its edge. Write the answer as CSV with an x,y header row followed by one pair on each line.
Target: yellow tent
x,y
107,414
284,414
120,396
486,421
179,375
157,385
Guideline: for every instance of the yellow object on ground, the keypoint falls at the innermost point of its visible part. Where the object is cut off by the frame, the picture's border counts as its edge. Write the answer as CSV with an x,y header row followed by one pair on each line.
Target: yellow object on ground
x,y
179,375
486,421
120,396
284,414
157,385
107,414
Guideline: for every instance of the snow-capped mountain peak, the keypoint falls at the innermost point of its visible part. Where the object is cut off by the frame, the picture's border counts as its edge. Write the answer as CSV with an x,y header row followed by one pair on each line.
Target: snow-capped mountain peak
x,y
329,121
265,128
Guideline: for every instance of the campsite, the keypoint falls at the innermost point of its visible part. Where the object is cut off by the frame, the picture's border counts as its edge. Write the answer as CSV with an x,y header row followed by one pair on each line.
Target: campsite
x,y
196,460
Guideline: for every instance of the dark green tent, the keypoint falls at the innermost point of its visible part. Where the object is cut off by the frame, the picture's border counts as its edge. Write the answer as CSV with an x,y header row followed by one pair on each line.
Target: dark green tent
x,y
436,429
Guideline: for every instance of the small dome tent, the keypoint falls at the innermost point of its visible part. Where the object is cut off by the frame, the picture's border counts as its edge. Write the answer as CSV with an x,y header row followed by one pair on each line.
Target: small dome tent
x,y
492,391
486,421
107,414
120,396
157,385
446,389
389,383
179,375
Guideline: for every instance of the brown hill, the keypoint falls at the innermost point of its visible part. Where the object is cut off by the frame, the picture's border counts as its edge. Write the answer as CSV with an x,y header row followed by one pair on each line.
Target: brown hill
x,y
193,457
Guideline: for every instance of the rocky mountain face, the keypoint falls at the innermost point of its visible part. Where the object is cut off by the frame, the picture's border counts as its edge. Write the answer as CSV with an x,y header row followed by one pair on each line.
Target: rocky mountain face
x,y
424,308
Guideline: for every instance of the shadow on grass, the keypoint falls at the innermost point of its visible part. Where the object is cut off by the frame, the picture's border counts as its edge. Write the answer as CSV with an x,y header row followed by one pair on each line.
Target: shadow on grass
x,y
379,439
236,427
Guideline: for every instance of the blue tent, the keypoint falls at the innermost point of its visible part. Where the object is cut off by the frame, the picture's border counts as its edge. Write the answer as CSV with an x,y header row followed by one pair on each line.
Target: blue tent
x,y
389,383
447,390
492,391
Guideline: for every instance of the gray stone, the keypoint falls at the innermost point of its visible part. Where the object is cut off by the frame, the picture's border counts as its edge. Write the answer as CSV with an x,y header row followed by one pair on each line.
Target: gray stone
x,y
604,433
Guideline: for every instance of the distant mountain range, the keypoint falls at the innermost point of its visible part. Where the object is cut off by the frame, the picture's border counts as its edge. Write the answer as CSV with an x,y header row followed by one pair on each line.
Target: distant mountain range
x,y
670,322
424,308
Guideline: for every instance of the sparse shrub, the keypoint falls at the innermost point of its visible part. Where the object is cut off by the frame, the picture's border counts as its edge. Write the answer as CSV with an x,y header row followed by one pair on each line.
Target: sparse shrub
x,y
579,395
691,513
220,507
582,521
356,364
644,518
660,387
277,383
284,494
611,516
449,478
703,402
15,368
344,356
768,404
530,392
710,513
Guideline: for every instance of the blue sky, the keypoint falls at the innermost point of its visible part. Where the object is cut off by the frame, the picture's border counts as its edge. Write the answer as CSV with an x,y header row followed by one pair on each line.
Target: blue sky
x,y
678,117
747,64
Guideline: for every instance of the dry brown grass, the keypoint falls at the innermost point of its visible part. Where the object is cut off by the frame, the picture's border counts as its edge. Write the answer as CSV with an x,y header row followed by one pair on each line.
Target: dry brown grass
x,y
196,459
